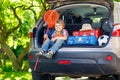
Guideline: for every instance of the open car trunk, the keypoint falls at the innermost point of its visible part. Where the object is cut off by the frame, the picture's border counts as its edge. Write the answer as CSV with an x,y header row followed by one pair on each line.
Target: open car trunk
x,y
88,24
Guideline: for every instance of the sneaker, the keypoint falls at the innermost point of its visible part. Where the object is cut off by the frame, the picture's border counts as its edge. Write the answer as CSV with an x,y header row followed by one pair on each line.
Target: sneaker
x,y
48,55
40,53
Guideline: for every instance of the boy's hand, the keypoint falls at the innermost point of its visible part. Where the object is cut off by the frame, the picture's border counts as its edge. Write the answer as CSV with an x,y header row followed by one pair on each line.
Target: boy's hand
x,y
53,39
46,36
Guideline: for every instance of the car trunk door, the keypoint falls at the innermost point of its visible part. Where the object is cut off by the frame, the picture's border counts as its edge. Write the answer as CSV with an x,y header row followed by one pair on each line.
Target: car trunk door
x,y
108,3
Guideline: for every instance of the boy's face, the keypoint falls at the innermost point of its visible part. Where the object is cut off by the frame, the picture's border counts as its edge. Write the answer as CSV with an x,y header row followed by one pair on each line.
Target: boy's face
x,y
58,27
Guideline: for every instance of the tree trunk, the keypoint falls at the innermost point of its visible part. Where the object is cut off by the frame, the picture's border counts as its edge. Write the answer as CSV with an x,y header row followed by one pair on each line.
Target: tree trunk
x,y
1,57
0,60
23,54
11,56
26,67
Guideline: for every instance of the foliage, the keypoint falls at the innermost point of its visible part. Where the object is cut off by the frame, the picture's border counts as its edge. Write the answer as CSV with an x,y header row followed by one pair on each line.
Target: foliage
x,y
18,50
7,69
117,0
20,36
13,13
17,19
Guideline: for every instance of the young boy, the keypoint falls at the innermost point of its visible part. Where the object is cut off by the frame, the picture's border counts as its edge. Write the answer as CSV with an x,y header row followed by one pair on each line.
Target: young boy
x,y
58,38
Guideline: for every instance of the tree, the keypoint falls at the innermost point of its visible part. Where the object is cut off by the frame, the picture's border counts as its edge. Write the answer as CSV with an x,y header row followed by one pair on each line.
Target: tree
x,y
16,20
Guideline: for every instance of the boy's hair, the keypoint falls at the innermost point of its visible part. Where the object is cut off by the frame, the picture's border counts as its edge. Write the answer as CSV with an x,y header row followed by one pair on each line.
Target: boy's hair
x,y
61,22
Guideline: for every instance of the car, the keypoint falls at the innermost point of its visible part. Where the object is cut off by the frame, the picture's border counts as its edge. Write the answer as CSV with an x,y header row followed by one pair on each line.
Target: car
x,y
93,46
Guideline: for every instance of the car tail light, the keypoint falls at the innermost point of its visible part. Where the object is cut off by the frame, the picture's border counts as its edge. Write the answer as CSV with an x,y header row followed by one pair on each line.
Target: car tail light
x,y
116,30
64,62
109,57
31,56
116,33
31,34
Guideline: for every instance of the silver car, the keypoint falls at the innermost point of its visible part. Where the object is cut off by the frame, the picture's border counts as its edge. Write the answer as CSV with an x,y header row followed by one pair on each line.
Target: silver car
x,y
81,55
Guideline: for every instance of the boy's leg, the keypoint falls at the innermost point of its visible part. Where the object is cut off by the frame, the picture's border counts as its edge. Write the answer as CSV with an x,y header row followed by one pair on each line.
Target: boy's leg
x,y
57,45
54,48
45,45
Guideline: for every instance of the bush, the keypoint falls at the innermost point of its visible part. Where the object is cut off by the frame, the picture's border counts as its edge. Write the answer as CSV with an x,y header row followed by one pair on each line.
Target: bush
x,y
7,69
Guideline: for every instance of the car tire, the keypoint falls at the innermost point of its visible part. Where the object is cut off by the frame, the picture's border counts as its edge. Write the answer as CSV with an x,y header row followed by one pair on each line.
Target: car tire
x,y
37,76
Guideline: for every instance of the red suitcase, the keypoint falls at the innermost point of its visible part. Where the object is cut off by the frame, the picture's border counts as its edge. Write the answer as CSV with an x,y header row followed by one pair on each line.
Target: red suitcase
x,y
97,32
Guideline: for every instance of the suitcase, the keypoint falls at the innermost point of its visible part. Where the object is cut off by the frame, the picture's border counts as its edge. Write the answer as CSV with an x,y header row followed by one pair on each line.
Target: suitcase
x,y
96,32
82,40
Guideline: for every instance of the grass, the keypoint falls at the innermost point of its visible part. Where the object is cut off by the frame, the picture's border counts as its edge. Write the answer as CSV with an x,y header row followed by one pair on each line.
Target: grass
x,y
7,73
15,76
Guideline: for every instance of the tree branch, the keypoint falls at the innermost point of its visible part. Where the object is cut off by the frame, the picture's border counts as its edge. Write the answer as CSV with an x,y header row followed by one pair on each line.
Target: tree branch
x,y
19,20
2,30
30,8
23,53
43,3
2,27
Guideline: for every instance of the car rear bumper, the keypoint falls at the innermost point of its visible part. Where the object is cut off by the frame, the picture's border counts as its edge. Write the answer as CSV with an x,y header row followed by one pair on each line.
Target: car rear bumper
x,y
83,63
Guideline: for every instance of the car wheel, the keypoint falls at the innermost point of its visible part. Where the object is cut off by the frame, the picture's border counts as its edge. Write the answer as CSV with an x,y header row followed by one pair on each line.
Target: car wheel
x,y
37,76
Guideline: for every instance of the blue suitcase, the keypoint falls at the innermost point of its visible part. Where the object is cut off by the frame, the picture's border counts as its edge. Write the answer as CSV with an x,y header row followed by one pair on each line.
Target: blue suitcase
x,y
82,40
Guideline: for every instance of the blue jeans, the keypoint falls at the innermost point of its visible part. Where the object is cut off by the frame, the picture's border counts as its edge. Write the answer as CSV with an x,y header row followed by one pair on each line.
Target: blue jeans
x,y
55,45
